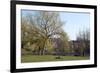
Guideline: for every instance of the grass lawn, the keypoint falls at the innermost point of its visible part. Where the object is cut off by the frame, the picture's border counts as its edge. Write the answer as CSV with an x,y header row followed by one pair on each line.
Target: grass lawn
x,y
43,58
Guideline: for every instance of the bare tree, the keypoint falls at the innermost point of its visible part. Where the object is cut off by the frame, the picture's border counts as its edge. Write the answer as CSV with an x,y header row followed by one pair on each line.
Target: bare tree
x,y
49,25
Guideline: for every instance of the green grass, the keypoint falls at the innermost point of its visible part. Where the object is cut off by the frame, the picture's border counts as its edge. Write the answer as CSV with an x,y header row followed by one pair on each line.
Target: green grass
x,y
43,58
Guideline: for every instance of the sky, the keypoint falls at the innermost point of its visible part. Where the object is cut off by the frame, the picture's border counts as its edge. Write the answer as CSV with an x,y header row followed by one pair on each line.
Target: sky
x,y
73,22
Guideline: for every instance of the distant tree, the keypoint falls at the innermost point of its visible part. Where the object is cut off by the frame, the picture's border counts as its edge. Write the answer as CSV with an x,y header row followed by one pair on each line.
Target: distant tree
x,y
84,39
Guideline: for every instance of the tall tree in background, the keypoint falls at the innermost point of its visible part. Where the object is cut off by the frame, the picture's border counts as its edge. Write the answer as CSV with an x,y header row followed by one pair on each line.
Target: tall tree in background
x,y
84,39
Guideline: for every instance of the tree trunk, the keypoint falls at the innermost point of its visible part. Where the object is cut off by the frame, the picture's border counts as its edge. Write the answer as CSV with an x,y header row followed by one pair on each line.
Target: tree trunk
x,y
43,48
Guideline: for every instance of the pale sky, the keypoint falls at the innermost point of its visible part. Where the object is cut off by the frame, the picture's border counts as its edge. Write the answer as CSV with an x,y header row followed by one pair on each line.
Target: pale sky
x,y
74,22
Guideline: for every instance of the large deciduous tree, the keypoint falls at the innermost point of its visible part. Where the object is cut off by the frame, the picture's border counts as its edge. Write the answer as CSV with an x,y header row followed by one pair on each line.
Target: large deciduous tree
x,y
43,26
48,25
